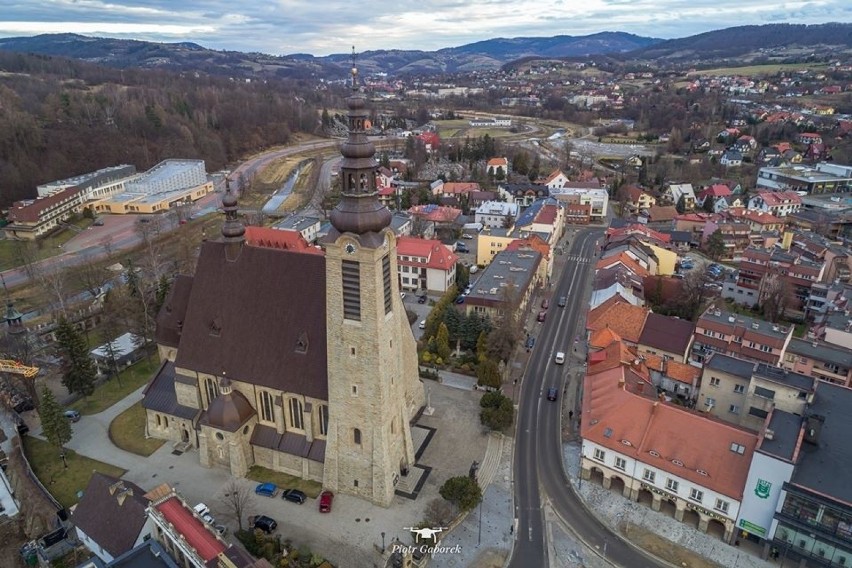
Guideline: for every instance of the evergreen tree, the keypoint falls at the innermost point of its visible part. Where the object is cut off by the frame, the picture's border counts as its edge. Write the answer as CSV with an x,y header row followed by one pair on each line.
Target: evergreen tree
x,y
488,374
463,491
482,346
497,411
163,287
442,342
500,175
54,425
715,245
78,367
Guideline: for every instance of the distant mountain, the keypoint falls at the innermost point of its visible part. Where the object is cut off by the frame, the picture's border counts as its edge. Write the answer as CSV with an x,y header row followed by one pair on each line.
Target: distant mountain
x,y
489,54
751,42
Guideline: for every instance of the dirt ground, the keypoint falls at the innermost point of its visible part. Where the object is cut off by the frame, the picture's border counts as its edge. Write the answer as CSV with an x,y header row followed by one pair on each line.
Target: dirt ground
x,y
663,548
11,539
490,559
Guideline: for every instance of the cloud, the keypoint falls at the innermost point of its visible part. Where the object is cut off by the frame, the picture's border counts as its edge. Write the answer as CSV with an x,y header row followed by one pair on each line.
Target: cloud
x,y
291,26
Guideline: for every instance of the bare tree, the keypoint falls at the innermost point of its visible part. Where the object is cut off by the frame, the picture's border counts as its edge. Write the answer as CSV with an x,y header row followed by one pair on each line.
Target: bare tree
x,y
237,498
25,254
90,275
53,280
774,295
693,292
108,247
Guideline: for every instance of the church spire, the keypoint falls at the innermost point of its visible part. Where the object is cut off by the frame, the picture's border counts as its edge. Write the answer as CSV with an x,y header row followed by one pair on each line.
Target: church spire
x,y
233,230
359,210
14,318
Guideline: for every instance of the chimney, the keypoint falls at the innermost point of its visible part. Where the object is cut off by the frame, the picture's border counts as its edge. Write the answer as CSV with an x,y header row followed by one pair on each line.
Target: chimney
x,y
769,434
813,427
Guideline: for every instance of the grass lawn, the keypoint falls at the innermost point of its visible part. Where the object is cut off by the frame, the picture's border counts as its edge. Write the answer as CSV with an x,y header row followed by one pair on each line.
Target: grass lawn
x,y
112,391
63,483
46,248
284,481
769,69
127,431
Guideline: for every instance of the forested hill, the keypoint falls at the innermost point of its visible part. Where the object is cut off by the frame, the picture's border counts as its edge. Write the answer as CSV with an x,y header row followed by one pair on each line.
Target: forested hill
x,y
60,118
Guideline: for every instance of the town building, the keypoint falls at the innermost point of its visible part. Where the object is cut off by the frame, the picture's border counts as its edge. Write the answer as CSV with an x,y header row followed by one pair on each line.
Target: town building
x,y
34,218
95,185
682,195
496,214
778,203
822,178
819,360
720,331
169,184
595,198
497,166
763,273
425,265
507,283
666,336
323,386
305,225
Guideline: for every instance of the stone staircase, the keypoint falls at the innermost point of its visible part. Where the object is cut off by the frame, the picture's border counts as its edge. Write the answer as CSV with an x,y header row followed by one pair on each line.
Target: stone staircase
x,y
491,461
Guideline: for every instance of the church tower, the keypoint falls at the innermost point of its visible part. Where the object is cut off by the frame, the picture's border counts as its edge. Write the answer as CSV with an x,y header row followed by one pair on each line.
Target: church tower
x,y
374,390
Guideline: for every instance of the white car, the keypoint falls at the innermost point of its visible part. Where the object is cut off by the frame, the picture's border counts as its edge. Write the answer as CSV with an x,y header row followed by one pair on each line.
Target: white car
x,y
560,358
422,324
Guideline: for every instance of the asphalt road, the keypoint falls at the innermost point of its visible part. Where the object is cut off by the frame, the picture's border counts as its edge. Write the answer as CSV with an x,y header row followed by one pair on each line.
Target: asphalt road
x,y
539,474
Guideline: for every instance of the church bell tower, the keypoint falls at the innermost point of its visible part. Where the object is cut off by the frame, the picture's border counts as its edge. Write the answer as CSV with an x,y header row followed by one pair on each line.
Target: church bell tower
x,y
374,390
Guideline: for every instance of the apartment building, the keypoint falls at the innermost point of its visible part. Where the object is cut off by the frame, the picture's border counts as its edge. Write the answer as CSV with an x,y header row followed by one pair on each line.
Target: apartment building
x,y
822,178
819,360
425,264
34,218
719,331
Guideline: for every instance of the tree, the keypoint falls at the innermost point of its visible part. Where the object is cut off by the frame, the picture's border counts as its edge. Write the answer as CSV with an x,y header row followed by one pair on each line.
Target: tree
x,y
439,513
500,175
462,491
237,499
442,342
55,427
78,368
715,245
497,411
482,346
774,295
488,374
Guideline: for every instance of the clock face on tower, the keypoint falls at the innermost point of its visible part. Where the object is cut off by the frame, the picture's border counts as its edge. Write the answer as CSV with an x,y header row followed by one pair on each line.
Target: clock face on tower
x,y
349,248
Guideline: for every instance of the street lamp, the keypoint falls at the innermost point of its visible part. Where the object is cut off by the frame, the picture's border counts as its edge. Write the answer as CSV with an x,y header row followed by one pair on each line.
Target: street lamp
x,y
383,542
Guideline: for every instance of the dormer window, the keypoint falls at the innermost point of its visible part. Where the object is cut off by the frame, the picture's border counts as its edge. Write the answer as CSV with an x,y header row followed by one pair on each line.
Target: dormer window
x,y
216,327
302,343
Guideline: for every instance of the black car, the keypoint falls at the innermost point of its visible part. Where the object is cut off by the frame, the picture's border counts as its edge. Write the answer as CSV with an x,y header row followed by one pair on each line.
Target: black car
x,y
530,342
422,299
294,496
552,393
264,523
562,301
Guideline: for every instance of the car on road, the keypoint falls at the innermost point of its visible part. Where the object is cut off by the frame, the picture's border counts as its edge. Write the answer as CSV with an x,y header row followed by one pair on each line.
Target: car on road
x,y
461,247
562,301
264,523
98,223
326,498
422,324
530,342
266,489
560,357
467,236
541,315
72,415
552,393
294,496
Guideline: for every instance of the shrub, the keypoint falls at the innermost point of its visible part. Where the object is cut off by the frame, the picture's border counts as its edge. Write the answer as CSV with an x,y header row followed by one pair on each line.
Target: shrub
x,y
462,491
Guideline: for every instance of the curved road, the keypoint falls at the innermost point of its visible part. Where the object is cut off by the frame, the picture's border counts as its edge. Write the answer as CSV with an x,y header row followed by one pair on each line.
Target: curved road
x,y
539,473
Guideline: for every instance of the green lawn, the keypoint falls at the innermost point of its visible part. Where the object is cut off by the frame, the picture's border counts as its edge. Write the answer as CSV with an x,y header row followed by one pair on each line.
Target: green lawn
x,y
285,481
63,483
46,248
127,431
117,388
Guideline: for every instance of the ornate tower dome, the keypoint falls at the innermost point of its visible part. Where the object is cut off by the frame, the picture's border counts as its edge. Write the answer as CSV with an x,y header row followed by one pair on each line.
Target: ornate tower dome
x,y
359,210
233,229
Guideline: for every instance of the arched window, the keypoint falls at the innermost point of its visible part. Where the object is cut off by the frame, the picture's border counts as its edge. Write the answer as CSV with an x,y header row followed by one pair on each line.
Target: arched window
x,y
323,419
267,407
212,387
296,418
356,436
159,421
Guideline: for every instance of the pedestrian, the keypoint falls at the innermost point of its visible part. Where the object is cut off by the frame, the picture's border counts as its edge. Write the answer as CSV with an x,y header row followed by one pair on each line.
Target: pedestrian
x,y
512,529
570,415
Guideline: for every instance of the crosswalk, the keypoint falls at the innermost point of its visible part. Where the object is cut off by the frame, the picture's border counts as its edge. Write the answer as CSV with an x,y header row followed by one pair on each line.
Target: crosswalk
x,y
578,259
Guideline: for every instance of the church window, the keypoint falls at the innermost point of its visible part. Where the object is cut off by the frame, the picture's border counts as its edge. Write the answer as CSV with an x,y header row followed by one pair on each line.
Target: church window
x,y
356,436
219,436
165,421
159,421
323,419
296,418
212,387
386,281
355,483
267,407
352,351
351,273
393,426
221,451
354,390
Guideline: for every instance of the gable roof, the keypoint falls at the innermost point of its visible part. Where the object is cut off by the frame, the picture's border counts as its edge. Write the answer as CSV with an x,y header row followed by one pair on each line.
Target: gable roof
x,y
437,255
497,162
112,512
633,425
625,319
31,212
246,316
666,333
191,529
278,239
603,337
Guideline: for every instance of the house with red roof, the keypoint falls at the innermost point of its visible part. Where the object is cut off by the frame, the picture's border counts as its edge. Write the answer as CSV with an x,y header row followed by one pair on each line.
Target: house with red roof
x,y
34,218
660,453
495,164
457,188
777,203
425,264
808,138
715,191
267,237
431,140
555,180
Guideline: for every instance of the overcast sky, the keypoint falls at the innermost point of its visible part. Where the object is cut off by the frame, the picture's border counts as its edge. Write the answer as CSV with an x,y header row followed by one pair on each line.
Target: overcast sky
x,y
322,27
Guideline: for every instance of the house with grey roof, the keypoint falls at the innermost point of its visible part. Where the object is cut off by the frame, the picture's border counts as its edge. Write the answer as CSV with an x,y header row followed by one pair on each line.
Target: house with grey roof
x,y
819,360
508,281
305,225
111,517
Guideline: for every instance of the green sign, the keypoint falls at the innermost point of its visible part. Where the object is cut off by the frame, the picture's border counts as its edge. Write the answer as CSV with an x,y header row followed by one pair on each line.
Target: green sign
x,y
762,489
752,528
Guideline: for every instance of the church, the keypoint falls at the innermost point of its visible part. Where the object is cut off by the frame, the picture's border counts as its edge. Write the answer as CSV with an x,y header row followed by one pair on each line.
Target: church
x,y
300,361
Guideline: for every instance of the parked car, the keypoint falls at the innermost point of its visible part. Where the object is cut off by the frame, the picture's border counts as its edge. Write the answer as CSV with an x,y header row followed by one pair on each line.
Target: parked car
x,y
422,299
326,498
204,512
422,324
264,523
460,300
294,496
530,342
560,357
562,301
266,489
541,315
72,415
552,393
98,223
467,236
22,404
545,304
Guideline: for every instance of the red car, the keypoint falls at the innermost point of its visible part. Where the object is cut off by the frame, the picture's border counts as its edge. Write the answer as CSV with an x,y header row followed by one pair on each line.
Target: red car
x,y
325,500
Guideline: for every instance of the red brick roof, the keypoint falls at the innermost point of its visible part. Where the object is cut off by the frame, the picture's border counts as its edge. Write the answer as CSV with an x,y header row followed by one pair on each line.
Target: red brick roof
x,y
547,215
436,214
625,319
267,237
634,425
32,212
498,162
192,529
533,242
774,198
436,254
459,187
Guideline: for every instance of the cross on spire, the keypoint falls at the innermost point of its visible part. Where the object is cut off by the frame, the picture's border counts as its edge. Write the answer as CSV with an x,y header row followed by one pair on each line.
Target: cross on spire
x,y
354,71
